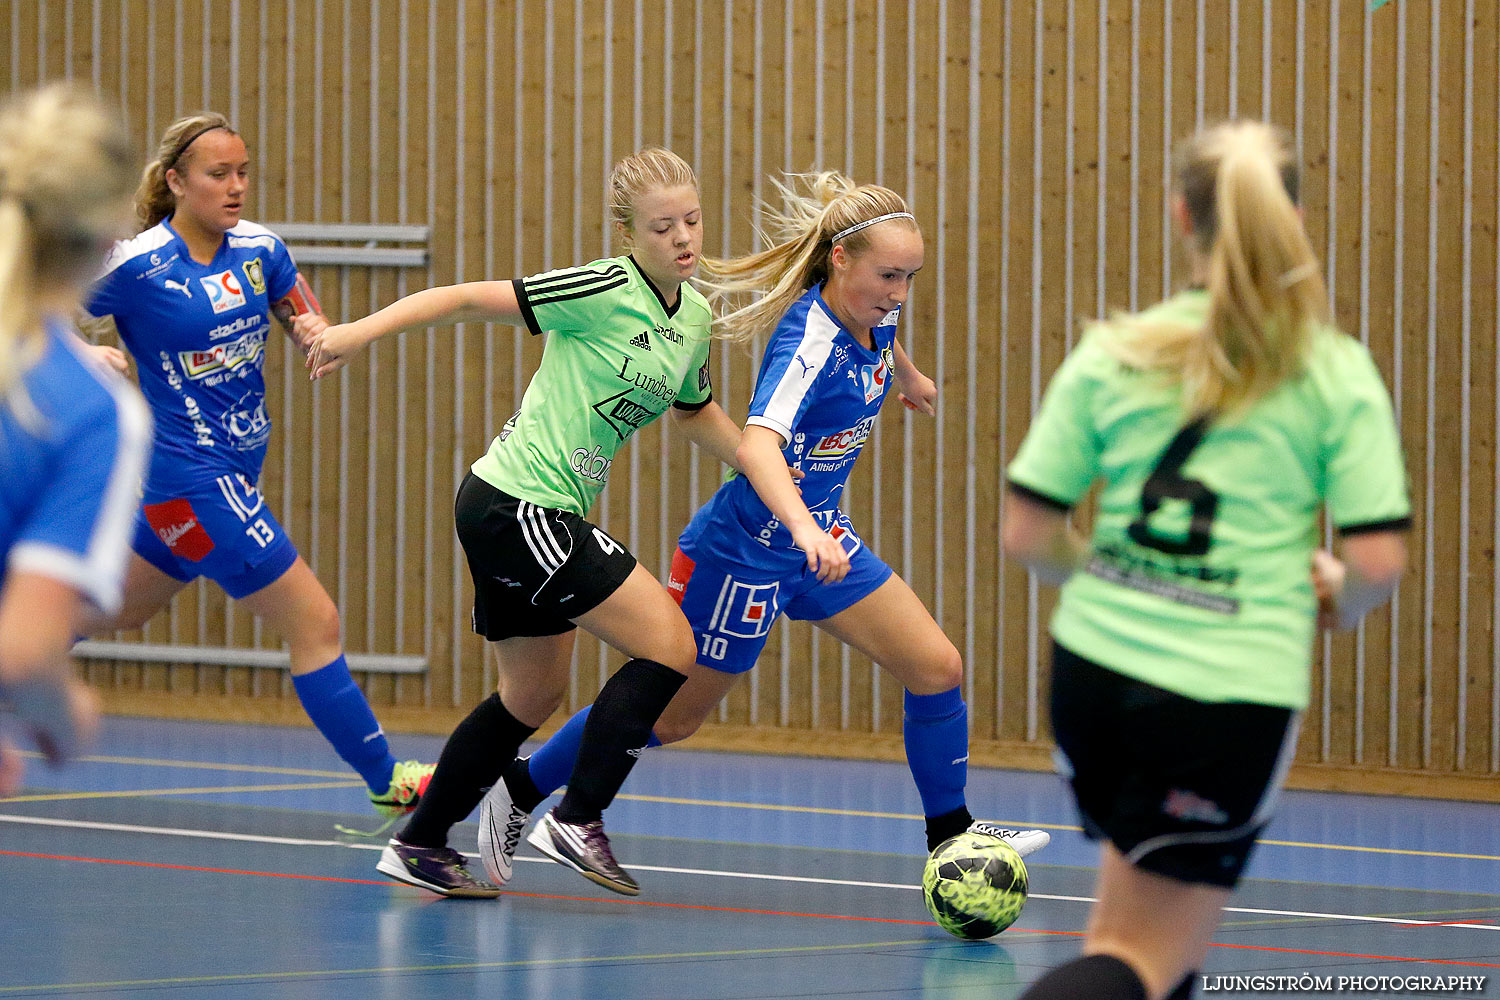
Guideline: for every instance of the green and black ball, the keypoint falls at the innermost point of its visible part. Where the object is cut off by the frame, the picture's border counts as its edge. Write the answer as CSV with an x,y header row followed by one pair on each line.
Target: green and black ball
x,y
974,885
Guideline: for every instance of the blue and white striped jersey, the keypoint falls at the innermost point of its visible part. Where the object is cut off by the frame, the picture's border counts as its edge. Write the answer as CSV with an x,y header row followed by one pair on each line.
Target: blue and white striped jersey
x,y
198,334
821,390
70,477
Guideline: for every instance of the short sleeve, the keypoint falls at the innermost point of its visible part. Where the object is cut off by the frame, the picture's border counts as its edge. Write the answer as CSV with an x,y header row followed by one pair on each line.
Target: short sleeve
x,y
79,529
1365,486
281,271
697,389
1059,458
794,360
572,300
105,297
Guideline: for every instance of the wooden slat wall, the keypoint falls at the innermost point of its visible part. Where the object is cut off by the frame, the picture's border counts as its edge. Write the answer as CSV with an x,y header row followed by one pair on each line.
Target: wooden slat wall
x,y
1032,139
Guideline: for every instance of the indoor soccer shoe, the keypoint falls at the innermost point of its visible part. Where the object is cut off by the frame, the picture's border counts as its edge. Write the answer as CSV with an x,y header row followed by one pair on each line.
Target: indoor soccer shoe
x,y
440,869
1025,842
501,823
408,782
584,848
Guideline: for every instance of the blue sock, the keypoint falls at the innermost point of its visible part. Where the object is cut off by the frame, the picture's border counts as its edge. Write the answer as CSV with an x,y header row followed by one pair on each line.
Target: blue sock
x,y
936,731
552,764
338,708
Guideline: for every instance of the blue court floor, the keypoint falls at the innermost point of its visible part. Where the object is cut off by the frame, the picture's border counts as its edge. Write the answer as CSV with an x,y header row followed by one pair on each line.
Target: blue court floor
x,y
187,860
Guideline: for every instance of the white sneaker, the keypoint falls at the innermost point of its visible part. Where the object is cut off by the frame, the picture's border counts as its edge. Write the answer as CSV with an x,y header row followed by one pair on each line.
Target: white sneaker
x,y
1025,842
501,824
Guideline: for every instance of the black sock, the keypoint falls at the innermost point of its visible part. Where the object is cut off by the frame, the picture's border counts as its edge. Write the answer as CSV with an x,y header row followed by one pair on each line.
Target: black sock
x,y
1184,989
1097,977
470,763
618,729
523,790
949,824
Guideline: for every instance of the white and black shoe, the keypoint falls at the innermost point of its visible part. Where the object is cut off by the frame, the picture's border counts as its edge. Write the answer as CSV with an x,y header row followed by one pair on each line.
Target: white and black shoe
x,y
1025,842
501,823
439,869
584,848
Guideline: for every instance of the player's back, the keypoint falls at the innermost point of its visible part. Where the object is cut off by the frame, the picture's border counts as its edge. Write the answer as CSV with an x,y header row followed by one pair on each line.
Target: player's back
x,y
1198,578
70,461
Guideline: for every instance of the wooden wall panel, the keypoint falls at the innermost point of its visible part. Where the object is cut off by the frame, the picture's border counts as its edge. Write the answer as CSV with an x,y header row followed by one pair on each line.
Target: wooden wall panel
x,y
1031,137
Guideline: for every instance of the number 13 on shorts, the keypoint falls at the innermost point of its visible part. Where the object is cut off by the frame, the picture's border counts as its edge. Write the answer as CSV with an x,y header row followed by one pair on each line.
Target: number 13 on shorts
x,y
260,531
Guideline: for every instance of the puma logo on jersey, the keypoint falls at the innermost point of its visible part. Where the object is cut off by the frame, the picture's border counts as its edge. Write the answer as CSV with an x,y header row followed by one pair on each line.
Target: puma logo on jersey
x,y
641,341
179,286
805,366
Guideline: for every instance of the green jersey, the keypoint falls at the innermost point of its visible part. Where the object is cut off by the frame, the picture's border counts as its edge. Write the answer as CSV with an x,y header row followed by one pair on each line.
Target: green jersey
x,y
1198,579
616,357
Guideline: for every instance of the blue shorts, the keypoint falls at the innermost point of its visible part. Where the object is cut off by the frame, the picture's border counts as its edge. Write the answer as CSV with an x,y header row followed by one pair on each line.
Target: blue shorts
x,y
731,611
223,531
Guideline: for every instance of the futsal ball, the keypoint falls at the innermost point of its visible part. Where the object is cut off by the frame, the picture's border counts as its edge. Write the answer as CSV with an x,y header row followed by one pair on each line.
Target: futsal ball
x,y
974,885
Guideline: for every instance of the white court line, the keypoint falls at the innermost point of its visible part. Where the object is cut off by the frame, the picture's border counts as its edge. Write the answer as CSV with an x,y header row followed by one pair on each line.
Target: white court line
x,y
757,876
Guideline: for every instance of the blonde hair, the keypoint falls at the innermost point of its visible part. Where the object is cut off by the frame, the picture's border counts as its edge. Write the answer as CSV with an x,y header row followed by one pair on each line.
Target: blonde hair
x,y
1239,183
154,200
65,173
648,170
815,208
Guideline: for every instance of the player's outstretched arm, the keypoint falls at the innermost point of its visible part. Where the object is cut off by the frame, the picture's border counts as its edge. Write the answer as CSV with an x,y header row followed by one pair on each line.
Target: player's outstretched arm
x,y
39,618
471,302
1042,538
759,457
916,391
710,428
1352,587
300,301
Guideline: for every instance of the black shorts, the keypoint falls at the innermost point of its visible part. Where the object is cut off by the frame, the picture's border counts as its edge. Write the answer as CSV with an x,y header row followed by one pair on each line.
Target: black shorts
x,y
534,568
1181,787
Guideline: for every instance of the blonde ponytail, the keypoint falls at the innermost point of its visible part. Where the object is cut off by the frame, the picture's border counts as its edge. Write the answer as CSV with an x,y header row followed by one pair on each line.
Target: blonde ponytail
x,y
20,331
1266,295
751,293
65,169
154,199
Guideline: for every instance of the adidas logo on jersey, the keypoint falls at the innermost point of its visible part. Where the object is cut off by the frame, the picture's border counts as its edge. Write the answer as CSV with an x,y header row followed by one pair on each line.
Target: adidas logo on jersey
x,y
641,341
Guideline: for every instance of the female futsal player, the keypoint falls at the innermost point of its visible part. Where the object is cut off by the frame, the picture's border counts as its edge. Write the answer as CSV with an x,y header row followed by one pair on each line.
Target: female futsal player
x,y
190,296
1218,423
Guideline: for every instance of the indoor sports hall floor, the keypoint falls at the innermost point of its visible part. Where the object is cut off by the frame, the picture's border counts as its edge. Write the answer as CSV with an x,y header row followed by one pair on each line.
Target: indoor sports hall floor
x,y
195,860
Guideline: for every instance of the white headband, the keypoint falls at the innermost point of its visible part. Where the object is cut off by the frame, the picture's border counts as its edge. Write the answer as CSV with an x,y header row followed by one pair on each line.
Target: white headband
x,y
870,222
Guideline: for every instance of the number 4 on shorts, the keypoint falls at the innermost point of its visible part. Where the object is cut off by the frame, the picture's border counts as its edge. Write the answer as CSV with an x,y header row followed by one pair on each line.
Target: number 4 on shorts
x,y
609,545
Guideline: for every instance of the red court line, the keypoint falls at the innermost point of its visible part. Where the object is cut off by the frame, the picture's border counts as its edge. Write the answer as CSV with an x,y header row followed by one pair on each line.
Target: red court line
x,y
527,895
723,909
189,868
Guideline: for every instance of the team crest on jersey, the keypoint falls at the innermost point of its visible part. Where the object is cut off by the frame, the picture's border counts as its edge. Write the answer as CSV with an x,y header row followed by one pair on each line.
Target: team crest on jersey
x,y
256,273
224,291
